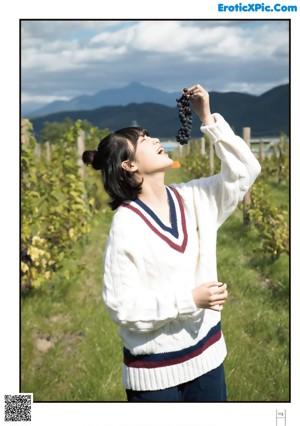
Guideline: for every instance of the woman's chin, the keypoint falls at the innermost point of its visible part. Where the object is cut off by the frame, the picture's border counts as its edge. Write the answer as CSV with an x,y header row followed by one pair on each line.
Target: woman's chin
x,y
170,162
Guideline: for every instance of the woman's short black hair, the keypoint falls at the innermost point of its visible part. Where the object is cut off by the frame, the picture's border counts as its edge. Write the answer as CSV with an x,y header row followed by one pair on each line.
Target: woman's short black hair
x,y
120,184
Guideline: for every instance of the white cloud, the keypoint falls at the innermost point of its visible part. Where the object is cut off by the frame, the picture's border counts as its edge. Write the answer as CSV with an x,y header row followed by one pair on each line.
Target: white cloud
x,y
65,57
121,36
64,29
42,99
179,38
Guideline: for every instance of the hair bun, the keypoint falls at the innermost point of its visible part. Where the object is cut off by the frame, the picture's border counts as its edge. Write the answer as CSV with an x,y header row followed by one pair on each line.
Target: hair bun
x,y
92,158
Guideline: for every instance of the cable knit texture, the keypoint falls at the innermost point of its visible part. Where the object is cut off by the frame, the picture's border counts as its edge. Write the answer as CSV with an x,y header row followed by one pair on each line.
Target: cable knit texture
x,y
150,270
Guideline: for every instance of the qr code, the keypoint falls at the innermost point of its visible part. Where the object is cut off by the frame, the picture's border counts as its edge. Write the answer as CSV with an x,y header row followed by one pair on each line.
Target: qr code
x,y
18,408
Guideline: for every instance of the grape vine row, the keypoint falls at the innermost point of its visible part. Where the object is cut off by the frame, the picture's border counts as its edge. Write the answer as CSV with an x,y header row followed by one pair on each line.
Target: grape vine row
x,y
56,205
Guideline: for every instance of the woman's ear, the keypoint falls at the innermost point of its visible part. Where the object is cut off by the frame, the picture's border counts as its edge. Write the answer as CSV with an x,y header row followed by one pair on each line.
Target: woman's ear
x,y
129,166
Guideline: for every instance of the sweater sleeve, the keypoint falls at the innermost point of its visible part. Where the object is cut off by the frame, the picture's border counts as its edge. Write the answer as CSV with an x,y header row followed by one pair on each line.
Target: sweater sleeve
x,y
239,168
130,302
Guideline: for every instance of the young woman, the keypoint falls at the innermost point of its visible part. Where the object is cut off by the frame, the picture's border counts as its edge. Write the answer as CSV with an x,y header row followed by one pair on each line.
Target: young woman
x,y
160,277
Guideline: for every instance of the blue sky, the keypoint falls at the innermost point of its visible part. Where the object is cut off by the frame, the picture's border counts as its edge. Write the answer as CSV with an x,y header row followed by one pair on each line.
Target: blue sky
x,y
62,59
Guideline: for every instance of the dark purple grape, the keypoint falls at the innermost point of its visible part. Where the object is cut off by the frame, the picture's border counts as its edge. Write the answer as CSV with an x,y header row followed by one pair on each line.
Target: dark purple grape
x,y
185,117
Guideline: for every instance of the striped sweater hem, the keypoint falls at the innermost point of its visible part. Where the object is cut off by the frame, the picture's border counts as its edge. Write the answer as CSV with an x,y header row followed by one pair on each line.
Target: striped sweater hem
x,y
160,371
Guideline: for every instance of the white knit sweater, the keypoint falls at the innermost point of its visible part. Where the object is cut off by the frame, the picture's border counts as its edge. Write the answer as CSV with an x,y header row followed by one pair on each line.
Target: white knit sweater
x,y
150,270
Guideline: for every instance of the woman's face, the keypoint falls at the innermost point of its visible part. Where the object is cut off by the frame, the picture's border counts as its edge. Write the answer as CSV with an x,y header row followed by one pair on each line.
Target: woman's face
x,y
150,156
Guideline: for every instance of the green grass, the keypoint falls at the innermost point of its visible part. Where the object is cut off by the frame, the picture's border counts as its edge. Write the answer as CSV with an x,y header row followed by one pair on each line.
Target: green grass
x,y
255,322
83,358
70,349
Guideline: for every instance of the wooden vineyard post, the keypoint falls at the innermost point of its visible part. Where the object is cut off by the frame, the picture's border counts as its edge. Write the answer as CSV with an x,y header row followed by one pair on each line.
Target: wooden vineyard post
x,y
247,198
48,151
281,161
202,145
38,150
24,131
261,151
80,149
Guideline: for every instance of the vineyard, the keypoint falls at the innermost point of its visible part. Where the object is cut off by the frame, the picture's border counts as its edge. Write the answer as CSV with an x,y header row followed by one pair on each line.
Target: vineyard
x,y
64,224
57,203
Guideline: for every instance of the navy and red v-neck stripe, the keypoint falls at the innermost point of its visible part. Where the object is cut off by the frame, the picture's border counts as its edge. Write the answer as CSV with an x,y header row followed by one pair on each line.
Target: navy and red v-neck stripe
x,y
166,359
176,234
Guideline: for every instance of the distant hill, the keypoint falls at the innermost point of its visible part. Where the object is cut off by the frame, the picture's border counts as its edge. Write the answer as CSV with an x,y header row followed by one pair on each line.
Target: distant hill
x,y
133,93
267,114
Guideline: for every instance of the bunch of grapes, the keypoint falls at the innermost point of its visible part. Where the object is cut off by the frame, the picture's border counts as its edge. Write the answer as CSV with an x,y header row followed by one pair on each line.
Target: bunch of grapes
x,y
185,117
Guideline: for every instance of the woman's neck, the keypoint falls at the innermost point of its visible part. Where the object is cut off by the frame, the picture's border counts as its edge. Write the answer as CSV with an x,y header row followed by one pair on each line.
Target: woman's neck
x,y
155,196
154,190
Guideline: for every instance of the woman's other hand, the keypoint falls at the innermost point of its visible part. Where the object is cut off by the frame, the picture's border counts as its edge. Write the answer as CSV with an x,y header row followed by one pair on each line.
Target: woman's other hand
x,y
210,295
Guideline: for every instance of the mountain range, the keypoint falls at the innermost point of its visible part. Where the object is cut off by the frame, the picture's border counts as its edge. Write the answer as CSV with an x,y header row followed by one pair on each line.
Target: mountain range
x,y
134,92
155,110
